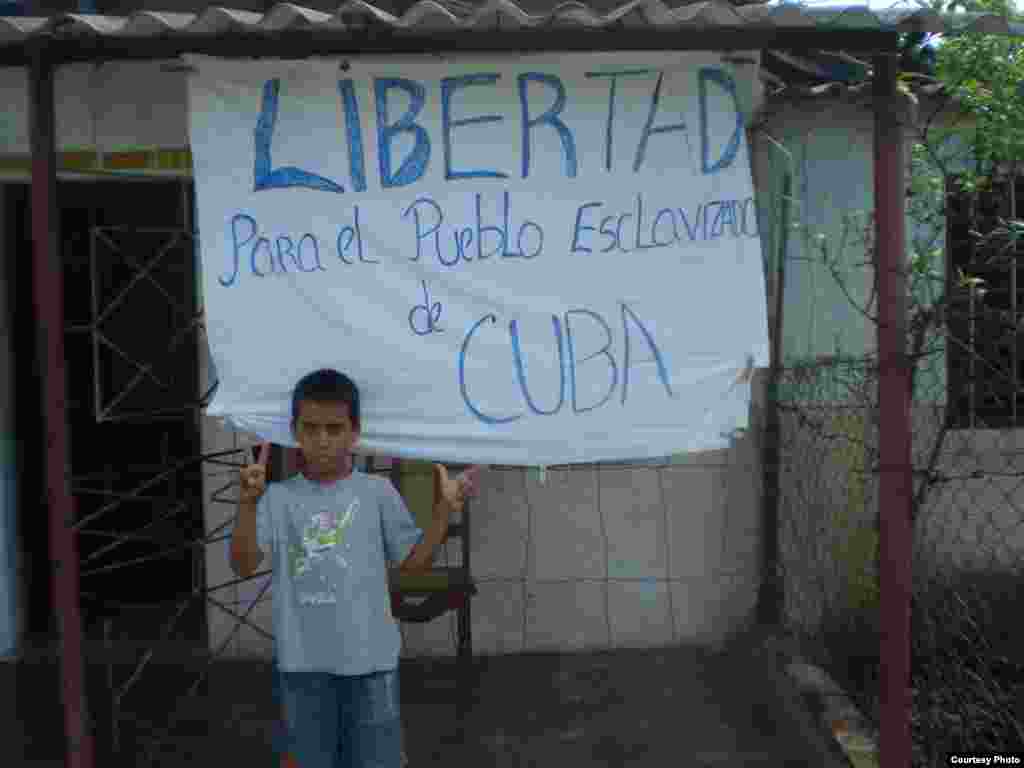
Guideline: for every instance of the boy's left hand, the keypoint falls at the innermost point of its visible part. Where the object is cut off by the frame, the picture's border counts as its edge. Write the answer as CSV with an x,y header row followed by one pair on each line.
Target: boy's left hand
x,y
455,491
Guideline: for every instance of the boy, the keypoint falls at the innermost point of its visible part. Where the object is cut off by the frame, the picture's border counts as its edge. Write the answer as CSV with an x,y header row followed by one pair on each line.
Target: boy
x,y
327,533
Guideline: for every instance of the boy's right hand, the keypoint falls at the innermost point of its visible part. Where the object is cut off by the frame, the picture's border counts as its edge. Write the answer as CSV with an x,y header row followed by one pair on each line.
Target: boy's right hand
x,y
253,478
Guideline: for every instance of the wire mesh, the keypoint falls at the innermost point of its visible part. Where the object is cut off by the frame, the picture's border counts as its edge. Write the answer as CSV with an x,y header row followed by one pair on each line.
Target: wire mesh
x,y
963,342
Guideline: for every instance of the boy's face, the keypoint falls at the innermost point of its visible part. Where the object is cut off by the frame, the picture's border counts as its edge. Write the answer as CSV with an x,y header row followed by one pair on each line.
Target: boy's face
x,y
325,433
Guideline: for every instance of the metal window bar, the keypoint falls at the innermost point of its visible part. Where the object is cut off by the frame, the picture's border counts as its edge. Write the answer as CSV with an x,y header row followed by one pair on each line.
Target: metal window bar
x,y
159,483
983,356
119,713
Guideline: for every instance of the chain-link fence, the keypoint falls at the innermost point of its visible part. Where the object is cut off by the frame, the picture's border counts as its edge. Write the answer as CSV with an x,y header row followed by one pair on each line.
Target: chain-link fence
x,y
964,341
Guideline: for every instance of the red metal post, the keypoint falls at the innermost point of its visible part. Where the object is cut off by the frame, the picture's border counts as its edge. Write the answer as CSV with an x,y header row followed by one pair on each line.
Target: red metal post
x,y
49,304
894,415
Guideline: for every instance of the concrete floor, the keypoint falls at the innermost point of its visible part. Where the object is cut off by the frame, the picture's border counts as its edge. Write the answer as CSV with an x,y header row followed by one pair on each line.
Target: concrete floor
x,y
687,706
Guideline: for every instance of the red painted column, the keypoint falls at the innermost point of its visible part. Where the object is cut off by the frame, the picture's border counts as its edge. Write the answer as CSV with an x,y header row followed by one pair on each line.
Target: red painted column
x,y
49,306
894,405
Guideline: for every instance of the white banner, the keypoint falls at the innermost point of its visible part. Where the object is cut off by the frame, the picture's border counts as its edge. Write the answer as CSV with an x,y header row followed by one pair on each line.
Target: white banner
x,y
526,260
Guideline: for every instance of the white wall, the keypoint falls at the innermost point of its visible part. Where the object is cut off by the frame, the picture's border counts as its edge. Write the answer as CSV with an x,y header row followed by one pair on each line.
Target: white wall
x,y
105,106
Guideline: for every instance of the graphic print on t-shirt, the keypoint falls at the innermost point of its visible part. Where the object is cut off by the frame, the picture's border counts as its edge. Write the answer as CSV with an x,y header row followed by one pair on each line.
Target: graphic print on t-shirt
x,y
322,536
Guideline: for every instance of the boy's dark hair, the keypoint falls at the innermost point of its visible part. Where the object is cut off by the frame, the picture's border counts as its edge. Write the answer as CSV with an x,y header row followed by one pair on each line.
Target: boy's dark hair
x,y
327,386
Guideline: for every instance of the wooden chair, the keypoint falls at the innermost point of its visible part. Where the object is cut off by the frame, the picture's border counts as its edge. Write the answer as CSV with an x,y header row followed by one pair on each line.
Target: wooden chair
x,y
422,597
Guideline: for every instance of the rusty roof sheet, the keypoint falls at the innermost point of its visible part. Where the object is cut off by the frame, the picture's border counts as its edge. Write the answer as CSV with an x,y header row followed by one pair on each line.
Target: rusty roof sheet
x,y
430,15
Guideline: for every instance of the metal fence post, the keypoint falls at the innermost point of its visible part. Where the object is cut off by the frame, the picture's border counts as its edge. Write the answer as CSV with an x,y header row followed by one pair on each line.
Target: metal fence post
x,y
895,487
49,303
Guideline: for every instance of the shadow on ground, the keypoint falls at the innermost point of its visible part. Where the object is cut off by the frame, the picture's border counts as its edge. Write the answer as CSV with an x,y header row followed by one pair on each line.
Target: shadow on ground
x,y
687,706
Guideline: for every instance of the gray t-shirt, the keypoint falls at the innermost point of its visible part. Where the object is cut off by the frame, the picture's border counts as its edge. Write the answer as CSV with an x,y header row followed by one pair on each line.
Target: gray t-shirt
x,y
329,546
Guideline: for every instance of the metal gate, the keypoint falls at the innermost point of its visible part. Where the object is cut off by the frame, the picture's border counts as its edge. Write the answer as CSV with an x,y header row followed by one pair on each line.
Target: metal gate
x,y
135,331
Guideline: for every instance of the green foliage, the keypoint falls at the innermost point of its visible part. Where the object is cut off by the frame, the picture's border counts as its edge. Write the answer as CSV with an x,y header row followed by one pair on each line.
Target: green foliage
x,y
986,74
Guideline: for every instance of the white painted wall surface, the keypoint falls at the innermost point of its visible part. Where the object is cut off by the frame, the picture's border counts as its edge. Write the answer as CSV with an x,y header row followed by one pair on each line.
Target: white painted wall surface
x,y
103,106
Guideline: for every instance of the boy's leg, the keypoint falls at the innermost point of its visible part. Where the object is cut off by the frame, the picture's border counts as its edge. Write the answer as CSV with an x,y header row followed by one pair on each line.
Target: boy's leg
x,y
281,729
313,718
371,723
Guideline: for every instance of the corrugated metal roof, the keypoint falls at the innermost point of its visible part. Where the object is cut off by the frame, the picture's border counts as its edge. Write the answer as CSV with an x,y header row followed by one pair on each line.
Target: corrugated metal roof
x,y
428,15
919,88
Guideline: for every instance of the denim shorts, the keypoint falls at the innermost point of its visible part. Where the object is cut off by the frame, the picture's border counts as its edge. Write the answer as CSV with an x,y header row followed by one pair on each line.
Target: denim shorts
x,y
333,721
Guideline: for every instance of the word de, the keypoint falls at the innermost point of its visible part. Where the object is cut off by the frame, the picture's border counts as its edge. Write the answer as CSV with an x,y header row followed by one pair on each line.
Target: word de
x,y
424,318
569,365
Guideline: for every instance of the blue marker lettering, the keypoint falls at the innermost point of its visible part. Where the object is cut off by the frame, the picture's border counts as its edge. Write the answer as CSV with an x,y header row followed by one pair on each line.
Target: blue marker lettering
x,y
415,164
662,372
261,242
708,206
618,233
481,230
316,254
613,242
462,378
265,176
290,249
524,228
463,239
603,351
421,233
729,217
351,233
354,133
640,246
343,248
551,117
448,86
641,149
697,221
359,240
725,82
236,246
578,228
657,220
614,77
518,356
526,225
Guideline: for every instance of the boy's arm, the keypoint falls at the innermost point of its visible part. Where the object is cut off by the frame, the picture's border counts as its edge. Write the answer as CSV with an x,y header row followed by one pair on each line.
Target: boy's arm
x,y
246,554
422,554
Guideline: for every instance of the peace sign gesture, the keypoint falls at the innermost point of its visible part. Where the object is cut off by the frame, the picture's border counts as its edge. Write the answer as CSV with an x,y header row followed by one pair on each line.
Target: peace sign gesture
x,y
253,478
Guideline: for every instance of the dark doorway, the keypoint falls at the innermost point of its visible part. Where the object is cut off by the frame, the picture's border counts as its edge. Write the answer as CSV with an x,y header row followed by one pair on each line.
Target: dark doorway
x,y
28,425
132,378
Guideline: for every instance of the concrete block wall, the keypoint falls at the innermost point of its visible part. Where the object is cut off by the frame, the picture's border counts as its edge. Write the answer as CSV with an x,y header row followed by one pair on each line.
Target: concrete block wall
x,y
222,482
596,557
610,557
974,521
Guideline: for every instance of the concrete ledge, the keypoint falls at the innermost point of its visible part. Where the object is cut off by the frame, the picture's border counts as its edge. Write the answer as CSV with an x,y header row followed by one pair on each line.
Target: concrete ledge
x,y
815,700
837,714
